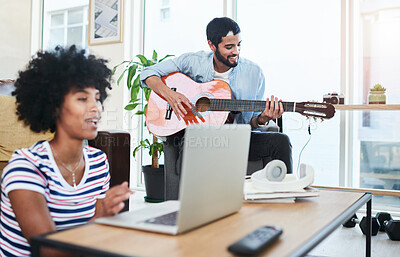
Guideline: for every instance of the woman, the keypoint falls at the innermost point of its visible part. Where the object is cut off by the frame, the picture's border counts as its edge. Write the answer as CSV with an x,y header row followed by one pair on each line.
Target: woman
x,y
60,183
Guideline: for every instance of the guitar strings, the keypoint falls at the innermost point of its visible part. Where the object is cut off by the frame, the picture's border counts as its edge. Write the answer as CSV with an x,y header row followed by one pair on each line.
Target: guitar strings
x,y
243,105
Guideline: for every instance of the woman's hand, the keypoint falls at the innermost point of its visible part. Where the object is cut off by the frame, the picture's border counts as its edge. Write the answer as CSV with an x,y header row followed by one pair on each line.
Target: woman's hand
x,y
114,200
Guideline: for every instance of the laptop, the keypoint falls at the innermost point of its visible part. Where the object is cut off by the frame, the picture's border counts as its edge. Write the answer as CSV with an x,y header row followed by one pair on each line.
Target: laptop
x,y
214,164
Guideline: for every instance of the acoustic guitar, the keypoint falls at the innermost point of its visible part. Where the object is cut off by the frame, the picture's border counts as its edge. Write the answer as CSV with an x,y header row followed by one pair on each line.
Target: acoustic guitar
x,y
211,104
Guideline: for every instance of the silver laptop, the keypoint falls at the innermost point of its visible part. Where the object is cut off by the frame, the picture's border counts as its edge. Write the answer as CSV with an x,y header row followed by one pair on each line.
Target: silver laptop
x,y
213,170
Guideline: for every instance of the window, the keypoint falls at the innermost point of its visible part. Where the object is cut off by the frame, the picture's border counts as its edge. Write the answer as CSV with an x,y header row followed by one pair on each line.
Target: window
x,y
377,139
165,10
65,23
307,49
179,30
303,58
298,48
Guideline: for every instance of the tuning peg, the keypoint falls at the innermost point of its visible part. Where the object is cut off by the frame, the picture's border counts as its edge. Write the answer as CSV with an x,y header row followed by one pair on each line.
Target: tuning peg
x,y
315,119
322,119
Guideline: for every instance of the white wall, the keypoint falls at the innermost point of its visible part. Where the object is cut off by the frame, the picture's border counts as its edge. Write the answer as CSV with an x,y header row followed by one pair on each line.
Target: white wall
x,y
20,36
15,53
112,117
15,36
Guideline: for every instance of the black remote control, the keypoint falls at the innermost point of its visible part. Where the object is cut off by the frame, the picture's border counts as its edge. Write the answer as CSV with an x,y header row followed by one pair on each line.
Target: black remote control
x,y
256,241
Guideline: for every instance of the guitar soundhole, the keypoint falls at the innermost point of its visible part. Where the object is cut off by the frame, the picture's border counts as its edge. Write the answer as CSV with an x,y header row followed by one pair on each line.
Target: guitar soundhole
x,y
203,104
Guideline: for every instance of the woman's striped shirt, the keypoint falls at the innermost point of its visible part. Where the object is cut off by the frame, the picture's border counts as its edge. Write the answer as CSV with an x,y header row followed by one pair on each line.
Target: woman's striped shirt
x,y
35,169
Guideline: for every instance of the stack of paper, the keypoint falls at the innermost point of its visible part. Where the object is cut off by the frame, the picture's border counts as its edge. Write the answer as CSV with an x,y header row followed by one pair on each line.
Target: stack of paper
x,y
252,194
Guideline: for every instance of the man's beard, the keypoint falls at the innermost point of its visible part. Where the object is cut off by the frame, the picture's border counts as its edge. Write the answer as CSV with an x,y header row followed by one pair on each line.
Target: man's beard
x,y
226,61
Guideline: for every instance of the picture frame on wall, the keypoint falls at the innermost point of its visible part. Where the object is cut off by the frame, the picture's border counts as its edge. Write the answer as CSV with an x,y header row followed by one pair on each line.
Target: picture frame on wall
x,y
105,21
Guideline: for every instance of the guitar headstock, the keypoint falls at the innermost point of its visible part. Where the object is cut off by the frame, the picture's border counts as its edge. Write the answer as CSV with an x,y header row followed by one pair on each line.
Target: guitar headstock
x,y
314,109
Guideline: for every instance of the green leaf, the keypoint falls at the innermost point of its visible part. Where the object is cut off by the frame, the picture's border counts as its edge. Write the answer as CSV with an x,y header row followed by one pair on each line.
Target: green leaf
x,y
140,113
134,100
145,109
154,57
160,148
116,66
147,92
134,93
137,148
150,63
120,77
165,57
131,74
131,107
151,152
142,59
137,83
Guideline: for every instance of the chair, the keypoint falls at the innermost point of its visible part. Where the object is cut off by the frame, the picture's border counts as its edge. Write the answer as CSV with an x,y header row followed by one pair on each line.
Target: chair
x,y
14,133
116,145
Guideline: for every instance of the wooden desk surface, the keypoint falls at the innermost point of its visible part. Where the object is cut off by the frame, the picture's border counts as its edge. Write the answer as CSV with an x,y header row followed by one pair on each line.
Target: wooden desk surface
x,y
302,222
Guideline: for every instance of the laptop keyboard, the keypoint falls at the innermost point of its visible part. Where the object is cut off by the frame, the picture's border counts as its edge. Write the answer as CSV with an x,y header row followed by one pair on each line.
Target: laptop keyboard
x,y
168,219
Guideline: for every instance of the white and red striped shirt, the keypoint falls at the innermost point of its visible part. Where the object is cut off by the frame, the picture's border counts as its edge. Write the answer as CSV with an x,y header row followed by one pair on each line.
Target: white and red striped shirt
x,y
35,169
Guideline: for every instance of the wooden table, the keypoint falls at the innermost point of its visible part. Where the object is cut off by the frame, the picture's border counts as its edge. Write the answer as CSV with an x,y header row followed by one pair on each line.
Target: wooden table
x,y
305,224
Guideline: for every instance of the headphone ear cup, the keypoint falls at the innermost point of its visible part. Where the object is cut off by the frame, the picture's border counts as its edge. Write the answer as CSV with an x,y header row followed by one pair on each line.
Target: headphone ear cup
x,y
303,170
276,170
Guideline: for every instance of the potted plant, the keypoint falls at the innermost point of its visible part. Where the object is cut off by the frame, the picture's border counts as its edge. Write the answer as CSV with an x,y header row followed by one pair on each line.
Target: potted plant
x,y
139,96
377,95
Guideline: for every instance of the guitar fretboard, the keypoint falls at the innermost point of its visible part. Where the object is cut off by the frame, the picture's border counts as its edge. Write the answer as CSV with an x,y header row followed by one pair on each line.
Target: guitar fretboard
x,y
244,105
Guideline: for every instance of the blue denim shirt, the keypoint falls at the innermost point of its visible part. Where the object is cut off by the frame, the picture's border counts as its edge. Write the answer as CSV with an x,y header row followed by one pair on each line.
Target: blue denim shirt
x,y
247,80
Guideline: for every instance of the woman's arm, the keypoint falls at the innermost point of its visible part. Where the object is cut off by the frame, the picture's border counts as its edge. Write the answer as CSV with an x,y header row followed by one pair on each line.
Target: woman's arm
x,y
33,216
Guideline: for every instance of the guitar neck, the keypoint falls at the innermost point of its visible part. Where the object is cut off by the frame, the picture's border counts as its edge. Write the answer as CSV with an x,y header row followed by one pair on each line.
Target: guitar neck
x,y
244,105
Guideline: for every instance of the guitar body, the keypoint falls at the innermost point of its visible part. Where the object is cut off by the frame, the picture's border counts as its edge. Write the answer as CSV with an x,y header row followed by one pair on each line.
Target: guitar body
x,y
211,104
161,124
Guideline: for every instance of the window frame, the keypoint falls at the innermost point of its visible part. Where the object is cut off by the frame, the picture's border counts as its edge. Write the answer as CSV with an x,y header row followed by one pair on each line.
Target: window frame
x,y
47,27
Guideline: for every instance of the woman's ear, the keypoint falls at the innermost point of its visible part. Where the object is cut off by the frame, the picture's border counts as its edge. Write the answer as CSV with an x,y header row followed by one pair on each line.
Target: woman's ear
x,y
56,114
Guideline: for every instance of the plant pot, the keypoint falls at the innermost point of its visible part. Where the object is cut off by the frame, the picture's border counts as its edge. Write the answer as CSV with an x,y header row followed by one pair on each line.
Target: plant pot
x,y
154,183
377,97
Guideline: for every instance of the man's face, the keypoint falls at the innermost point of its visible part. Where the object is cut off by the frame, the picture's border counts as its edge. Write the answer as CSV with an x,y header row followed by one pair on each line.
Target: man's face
x,y
227,52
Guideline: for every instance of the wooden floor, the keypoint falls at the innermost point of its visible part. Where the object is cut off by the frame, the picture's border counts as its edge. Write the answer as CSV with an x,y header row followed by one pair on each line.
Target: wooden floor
x,y
351,242
344,242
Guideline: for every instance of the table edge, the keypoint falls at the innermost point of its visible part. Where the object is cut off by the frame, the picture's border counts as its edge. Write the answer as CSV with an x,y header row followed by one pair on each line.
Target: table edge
x,y
320,236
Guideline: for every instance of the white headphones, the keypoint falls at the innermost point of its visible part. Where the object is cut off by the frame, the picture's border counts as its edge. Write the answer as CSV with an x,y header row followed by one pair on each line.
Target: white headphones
x,y
273,178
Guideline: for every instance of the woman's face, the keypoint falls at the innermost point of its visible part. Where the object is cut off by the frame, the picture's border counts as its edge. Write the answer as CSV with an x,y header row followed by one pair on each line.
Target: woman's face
x,y
80,114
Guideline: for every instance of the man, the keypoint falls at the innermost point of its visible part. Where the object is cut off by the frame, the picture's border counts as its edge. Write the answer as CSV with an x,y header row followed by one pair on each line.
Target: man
x,y
247,82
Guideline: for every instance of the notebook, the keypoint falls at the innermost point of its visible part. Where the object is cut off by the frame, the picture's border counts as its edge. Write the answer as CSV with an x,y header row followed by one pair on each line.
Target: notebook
x,y
214,164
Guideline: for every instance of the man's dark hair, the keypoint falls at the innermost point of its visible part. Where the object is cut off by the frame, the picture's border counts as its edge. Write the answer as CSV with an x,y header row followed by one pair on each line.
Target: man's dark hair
x,y
219,27
49,76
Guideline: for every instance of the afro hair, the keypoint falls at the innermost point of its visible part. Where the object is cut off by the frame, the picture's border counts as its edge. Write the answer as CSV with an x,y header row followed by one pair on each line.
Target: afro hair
x,y
49,76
